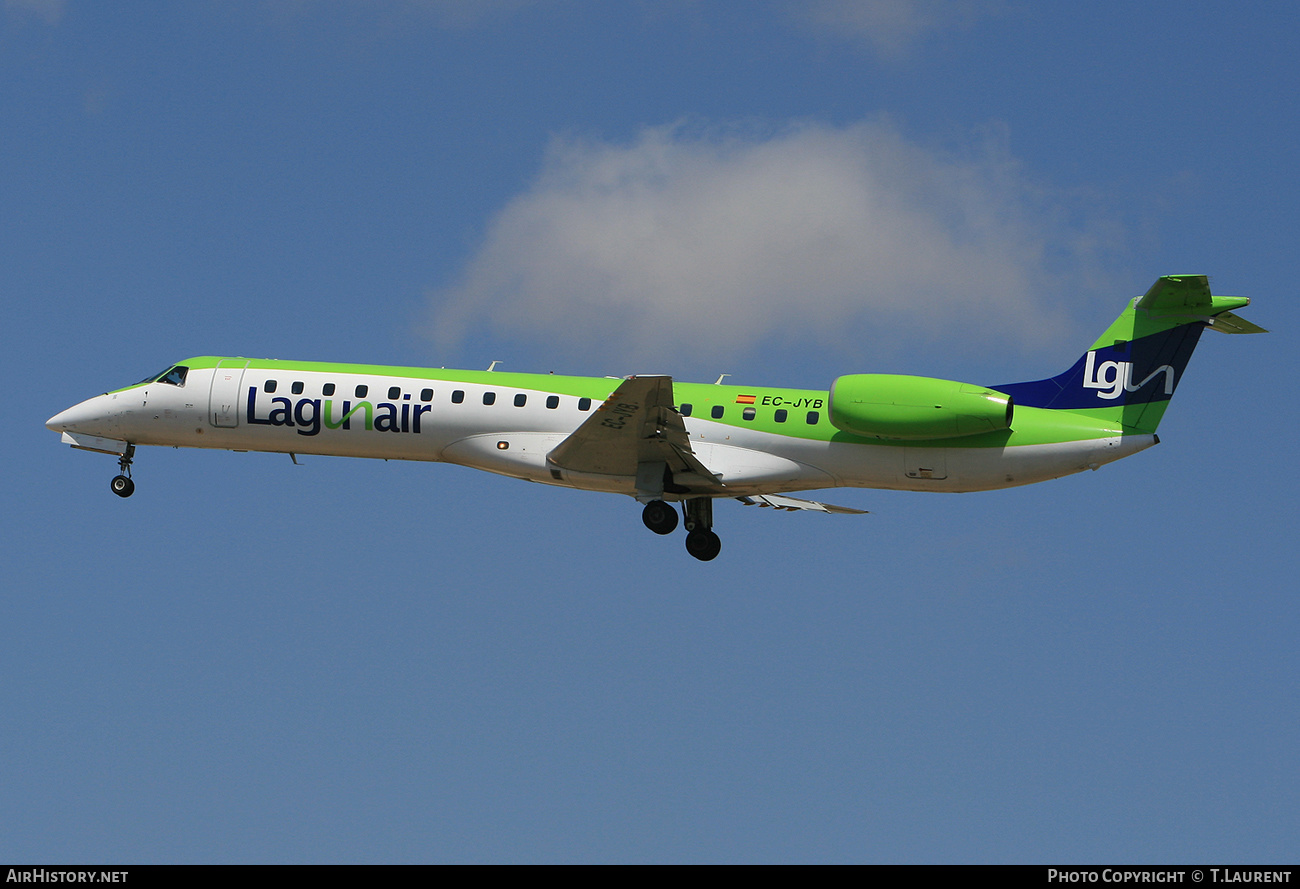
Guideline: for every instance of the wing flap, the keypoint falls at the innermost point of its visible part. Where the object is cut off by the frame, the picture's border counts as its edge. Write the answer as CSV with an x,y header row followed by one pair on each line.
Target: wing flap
x,y
780,501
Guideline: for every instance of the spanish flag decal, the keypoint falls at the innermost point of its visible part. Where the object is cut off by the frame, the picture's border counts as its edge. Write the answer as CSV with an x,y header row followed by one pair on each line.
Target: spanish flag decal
x,y
745,399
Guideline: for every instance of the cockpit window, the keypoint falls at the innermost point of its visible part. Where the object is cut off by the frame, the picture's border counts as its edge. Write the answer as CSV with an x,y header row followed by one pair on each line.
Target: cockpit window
x,y
175,376
151,378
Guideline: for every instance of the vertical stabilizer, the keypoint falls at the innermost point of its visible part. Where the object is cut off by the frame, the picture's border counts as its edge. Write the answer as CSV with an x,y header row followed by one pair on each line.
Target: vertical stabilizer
x,y
1131,371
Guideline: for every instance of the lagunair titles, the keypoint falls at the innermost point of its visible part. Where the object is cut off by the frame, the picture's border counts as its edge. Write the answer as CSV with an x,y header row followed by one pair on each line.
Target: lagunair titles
x,y
307,414
682,446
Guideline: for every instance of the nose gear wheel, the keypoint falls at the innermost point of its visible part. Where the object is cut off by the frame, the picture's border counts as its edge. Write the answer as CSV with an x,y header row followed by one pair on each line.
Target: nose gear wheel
x,y
121,484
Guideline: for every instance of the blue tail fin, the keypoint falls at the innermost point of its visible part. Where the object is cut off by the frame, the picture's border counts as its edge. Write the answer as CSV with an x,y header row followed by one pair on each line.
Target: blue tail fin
x,y
1137,363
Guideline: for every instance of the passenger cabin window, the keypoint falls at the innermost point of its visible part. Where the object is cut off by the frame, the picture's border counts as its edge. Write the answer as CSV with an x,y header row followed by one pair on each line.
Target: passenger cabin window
x,y
552,402
269,387
780,415
175,376
584,404
296,388
748,413
426,395
813,417
394,393
327,389
362,390
686,409
521,399
716,413
489,398
458,396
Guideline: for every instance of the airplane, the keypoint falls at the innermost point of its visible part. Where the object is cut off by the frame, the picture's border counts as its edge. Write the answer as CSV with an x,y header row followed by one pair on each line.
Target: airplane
x,y
664,442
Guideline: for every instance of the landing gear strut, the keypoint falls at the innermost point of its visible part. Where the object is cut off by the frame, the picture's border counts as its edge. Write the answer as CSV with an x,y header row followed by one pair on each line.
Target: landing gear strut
x,y
701,542
122,485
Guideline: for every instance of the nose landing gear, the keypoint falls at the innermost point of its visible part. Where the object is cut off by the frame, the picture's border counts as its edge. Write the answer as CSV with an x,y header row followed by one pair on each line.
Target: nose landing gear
x,y
121,484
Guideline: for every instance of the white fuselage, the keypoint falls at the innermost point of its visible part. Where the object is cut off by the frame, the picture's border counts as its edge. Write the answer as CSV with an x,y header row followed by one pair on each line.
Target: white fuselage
x,y
230,408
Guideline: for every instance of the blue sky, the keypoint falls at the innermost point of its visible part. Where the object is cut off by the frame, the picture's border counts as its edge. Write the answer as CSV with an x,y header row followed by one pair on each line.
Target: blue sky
x,y
362,661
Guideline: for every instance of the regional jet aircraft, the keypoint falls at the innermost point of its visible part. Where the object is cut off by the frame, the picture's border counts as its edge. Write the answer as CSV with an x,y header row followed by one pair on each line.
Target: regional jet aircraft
x,y
664,442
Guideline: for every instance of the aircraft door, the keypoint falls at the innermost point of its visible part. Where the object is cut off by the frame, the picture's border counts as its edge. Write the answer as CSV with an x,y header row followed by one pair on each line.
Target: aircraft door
x,y
925,462
223,400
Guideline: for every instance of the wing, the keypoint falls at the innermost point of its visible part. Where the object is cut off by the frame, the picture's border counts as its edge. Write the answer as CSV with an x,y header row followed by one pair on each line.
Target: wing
x,y
780,501
637,432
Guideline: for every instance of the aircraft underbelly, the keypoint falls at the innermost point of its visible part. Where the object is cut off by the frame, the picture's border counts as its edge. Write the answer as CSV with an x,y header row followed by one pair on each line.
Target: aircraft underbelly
x,y
516,454
523,455
957,469
740,467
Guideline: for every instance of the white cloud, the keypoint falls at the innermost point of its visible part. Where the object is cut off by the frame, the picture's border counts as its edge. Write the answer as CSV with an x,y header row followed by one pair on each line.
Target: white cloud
x,y
687,239
891,27
49,10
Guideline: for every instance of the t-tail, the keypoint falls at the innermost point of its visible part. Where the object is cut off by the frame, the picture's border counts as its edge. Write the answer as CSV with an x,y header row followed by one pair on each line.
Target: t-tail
x,y
1132,370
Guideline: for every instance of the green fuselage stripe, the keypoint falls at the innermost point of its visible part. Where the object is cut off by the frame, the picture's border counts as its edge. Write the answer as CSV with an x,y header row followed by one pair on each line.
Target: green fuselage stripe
x,y
1031,426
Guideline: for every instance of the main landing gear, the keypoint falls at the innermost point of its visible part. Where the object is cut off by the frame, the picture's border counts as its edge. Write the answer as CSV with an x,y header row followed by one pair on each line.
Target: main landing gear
x,y
121,484
701,542
659,517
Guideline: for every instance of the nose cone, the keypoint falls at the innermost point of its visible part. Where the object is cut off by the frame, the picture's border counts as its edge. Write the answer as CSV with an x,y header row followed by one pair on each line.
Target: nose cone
x,y
58,422
91,416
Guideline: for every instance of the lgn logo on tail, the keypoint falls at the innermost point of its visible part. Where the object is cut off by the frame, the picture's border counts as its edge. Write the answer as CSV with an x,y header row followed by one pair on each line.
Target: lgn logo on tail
x,y
1117,377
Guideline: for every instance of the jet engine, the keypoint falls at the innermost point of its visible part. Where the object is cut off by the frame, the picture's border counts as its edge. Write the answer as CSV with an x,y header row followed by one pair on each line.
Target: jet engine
x,y
916,408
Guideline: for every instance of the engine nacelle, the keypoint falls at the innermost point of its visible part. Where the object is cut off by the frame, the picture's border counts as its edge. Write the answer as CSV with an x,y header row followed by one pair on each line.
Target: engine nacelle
x,y
916,408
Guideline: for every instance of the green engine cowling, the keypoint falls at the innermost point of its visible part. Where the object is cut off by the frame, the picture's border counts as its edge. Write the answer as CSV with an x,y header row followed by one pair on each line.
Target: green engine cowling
x,y
916,408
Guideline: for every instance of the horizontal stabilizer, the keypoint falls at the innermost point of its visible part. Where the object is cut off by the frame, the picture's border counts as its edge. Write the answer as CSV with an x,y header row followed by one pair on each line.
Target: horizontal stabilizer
x,y
1230,323
792,503
1178,292
1175,297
